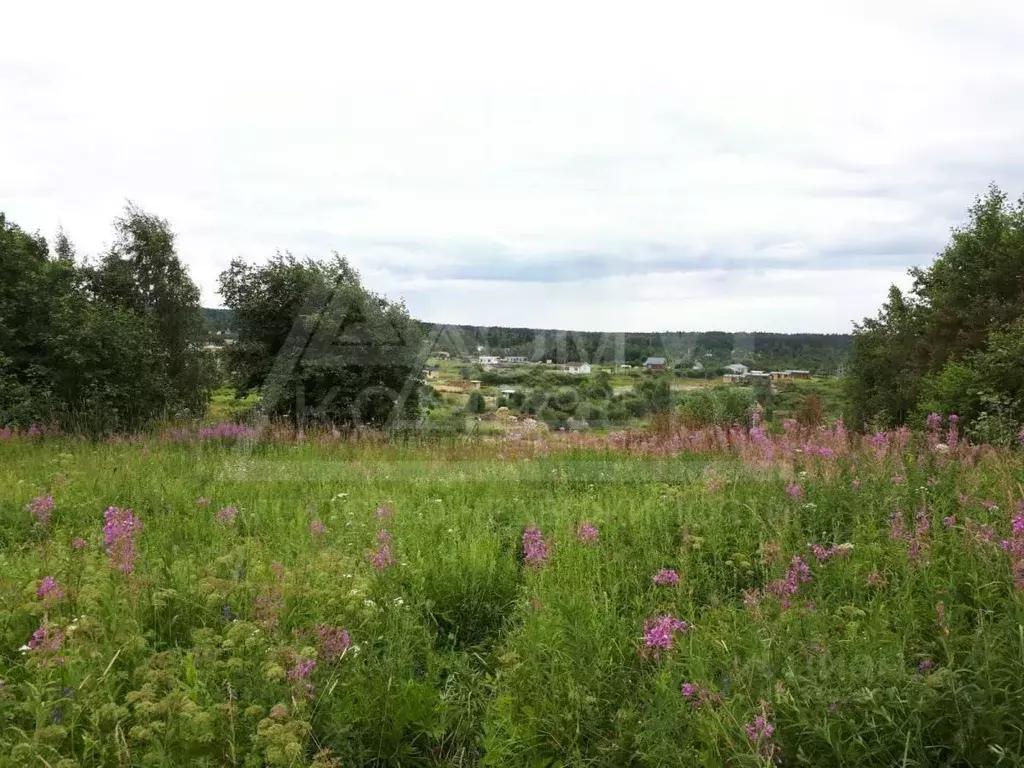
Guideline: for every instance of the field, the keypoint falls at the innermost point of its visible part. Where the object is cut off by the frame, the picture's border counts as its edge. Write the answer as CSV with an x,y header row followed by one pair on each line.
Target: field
x,y
715,598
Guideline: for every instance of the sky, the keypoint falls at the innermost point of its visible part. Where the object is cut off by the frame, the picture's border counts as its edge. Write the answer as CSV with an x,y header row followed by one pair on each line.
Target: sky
x,y
732,166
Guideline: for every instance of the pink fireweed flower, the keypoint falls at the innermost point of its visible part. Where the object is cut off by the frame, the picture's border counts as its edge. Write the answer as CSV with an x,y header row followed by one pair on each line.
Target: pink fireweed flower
x,y
953,418
949,522
963,498
794,491
300,674
381,558
227,515
896,529
45,644
203,501
934,421
855,484
385,512
535,549
317,528
119,535
926,665
666,577
334,641
78,543
760,729
586,533
823,555
659,633
383,537
991,506
41,508
751,598
49,590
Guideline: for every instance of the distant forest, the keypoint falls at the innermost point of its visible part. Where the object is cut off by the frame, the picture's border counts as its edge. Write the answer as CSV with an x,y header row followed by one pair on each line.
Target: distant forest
x,y
820,353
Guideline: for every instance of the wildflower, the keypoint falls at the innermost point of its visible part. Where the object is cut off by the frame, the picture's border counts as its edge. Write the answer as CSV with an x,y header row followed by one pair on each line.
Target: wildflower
x,y
303,669
991,506
381,558
666,577
535,549
760,729
586,533
49,590
855,484
794,491
926,665
751,598
770,551
963,498
949,522
317,528
41,508
227,515
385,512
934,421
78,543
202,501
899,479
383,536
46,643
334,641
278,712
896,530
659,633
953,418
119,535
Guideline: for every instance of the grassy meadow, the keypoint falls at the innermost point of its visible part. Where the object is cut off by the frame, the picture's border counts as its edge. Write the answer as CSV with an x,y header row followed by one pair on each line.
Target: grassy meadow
x,y
710,598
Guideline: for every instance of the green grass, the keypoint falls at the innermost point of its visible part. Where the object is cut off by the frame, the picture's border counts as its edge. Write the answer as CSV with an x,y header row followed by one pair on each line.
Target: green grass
x,y
461,654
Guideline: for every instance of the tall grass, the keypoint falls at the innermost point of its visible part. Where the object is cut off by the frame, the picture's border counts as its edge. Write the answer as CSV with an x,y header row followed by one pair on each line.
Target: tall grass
x,y
224,645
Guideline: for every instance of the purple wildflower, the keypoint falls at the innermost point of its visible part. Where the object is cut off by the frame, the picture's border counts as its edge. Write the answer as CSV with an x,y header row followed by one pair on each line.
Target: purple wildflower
x,y
794,491
991,506
666,577
855,484
949,522
334,641
383,537
586,532
202,501
953,418
926,665
385,512
760,729
381,558
227,515
535,549
46,643
934,421
659,633
41,508
78,543
49,590
317,528
875,579
301,672
119,535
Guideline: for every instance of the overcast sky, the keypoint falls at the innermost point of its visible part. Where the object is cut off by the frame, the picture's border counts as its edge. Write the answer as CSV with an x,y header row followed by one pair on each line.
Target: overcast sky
x,y
665,166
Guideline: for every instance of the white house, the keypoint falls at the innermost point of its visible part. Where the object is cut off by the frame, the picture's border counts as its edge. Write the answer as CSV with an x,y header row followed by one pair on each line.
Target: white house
x,y
579,369
489,359
513,360
738,368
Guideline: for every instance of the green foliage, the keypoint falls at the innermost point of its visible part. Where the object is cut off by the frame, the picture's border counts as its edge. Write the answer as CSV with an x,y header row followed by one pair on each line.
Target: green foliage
x,y
318,345
974,289
900,652
475,403
103,348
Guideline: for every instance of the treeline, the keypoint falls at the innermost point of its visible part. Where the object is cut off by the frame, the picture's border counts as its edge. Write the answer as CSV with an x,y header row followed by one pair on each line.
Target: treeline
x,y
954,344
817,352
117,343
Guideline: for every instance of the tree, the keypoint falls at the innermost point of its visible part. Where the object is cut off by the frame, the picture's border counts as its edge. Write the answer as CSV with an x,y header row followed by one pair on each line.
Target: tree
x,y
318,345
475,403
973,289
142,274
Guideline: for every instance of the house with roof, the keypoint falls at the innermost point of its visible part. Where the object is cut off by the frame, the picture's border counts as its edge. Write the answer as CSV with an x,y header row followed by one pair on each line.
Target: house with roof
x,y
738,369
577,369
654,364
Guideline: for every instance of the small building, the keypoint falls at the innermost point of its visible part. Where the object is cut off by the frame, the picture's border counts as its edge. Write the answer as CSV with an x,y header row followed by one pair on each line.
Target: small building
x,y
431,372
489,359
655,363
442,355
577,369
513,360
507,391
759,376
474,383
737,368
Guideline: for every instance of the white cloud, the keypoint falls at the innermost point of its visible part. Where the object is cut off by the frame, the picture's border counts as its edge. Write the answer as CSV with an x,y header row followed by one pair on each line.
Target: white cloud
x,y
811,150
